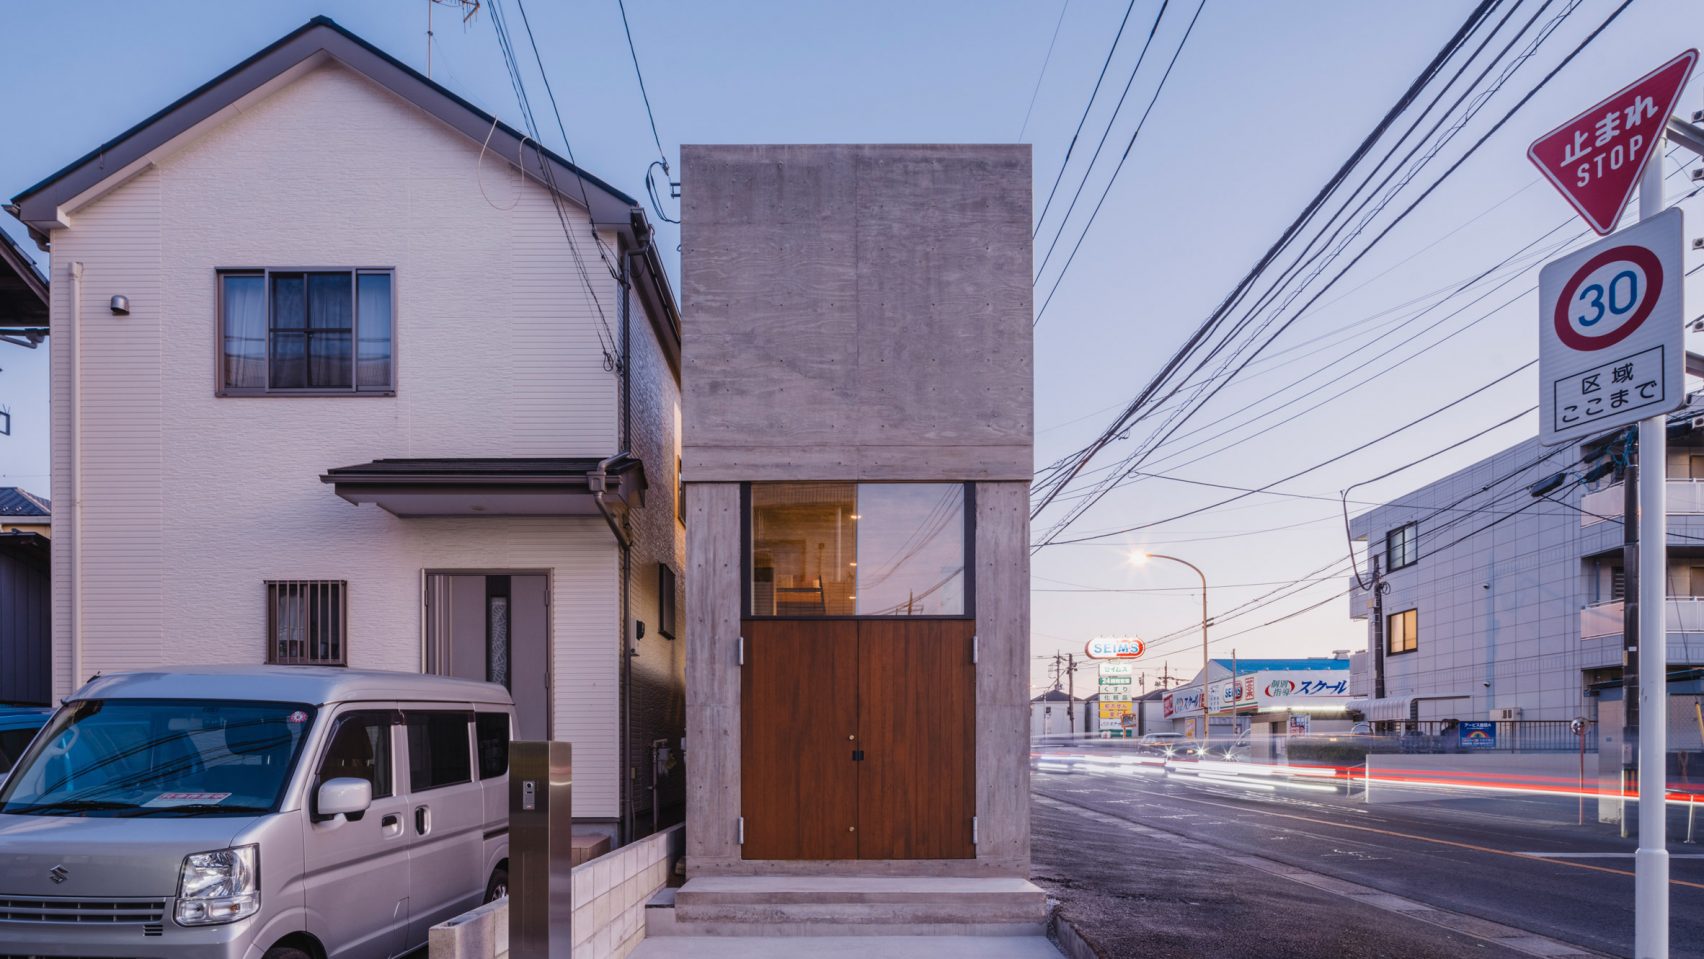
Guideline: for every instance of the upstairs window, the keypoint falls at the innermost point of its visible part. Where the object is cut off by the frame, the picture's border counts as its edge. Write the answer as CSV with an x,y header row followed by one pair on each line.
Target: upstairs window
x,y
1403,634
320,331
1402,546
857,549
665,601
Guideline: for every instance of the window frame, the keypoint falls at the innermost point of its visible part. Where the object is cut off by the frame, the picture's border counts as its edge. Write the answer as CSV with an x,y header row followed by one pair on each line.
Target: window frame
x,y
1411,538
470,747
1413,635
358,714
508,739
342,596
667,611
969,613
266,273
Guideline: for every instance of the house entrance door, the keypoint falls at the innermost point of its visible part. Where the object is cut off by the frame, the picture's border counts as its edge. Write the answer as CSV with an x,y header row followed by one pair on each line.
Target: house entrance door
x,y
494,627
858,739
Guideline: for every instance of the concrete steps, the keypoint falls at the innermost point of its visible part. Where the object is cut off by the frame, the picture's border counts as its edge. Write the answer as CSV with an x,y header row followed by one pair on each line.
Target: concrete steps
x,y
851,905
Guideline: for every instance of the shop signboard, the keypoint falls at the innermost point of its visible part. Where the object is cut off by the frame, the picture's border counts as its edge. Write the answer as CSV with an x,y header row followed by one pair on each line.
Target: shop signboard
x,y
1117,669
1114,711
1114,647
1299,724
1478,735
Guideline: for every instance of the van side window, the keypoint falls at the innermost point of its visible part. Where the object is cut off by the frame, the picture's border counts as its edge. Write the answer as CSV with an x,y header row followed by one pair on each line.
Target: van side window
x,y
438,750
361,749
493,731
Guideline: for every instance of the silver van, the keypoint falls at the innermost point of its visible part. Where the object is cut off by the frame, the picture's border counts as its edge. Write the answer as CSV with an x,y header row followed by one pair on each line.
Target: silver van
x,y
254,812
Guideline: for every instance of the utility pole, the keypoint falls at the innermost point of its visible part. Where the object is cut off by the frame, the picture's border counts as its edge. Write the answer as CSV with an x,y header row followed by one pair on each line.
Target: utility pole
x,y
1651,859
1378,630
1629,626
1071,687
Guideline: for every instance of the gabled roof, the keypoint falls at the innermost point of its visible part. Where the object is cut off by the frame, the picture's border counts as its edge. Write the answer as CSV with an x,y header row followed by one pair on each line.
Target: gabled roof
x,y
23,289
43,206
15,503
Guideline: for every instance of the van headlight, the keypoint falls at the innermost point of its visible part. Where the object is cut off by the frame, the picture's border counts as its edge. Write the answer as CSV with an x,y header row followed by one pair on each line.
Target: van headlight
x,y
219,886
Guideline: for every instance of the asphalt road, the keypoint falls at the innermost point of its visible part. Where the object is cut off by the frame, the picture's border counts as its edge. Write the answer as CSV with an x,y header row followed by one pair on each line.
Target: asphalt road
x,y
1516,862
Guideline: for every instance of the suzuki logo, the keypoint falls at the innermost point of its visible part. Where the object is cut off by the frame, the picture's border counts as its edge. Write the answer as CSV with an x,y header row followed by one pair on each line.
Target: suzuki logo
x,y
58,874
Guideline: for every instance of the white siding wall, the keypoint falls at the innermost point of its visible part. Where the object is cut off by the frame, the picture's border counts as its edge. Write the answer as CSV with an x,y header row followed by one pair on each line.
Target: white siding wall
x,y
191,501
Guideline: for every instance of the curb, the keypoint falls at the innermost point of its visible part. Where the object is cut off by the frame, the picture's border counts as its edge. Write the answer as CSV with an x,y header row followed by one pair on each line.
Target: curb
x,y
1067,938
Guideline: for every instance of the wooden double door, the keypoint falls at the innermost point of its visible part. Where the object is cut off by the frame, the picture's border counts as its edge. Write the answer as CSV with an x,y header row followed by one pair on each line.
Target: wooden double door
x,y
858,739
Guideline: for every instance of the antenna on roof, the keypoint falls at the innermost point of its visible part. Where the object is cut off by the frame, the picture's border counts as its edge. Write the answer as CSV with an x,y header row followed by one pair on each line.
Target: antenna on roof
x,y
471,6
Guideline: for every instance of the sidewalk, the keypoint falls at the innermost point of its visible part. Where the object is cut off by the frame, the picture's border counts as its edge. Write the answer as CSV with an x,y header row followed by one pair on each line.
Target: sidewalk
x,y
846,947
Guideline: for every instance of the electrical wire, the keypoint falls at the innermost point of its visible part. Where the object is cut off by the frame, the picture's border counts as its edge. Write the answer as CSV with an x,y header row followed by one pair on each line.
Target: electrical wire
x,y
1082,119
1063,7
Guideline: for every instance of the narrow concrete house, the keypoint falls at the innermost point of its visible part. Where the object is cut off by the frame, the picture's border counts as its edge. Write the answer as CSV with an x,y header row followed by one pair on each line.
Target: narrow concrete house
x,y
347,372
858,454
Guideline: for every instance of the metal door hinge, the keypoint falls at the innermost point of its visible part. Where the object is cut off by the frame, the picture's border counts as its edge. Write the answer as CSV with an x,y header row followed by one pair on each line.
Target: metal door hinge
x,y
973,836
742,830
742,651
975,649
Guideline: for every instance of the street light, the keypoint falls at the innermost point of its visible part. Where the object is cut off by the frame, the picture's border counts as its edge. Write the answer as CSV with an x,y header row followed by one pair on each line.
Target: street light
x,y
1140,557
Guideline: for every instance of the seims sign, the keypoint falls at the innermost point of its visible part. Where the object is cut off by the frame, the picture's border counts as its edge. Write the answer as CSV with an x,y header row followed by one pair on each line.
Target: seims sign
x,y
1110,647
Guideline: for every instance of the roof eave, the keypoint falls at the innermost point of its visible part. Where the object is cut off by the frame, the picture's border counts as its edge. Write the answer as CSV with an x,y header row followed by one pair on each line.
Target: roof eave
x,y
43,206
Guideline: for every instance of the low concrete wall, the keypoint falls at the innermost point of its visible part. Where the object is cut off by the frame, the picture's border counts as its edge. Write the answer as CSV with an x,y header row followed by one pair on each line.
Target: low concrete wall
x,y
1456,774
609,905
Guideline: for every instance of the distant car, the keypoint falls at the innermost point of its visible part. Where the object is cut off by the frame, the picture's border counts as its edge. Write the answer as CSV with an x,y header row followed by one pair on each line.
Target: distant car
x,y
18,725
1160,742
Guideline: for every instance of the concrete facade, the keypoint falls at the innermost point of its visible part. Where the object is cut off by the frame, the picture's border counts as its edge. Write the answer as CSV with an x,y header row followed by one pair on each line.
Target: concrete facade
x,y
857,313
1515,596
180,504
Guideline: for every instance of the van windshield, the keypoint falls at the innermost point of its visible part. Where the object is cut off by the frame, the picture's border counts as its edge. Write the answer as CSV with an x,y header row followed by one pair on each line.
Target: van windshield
x,y
159,757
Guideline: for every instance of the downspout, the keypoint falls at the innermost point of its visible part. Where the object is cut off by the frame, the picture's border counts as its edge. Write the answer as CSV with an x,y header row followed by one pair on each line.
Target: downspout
x,y
599,481
75,421
628,770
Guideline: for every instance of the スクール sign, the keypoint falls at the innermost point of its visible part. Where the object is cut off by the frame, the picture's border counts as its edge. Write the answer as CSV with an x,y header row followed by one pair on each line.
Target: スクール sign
x,y
1596,157
1113,647
1610,336
1478,735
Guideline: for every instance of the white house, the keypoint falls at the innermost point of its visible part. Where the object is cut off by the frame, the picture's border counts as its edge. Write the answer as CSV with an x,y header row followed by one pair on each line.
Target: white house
x,y
347,371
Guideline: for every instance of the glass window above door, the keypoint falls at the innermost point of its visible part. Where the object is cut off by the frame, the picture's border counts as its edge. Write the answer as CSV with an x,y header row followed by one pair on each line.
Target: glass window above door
x,y
857,549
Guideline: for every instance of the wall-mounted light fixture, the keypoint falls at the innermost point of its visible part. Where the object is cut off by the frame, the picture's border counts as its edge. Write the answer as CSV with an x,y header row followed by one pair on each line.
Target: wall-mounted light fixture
x,y
120,305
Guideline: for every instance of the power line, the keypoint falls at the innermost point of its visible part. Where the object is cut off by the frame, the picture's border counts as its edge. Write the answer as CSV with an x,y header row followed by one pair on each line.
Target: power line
x,y
1383,233
1084,118
1043,74
662,157
1210,323
1093,214
1204,392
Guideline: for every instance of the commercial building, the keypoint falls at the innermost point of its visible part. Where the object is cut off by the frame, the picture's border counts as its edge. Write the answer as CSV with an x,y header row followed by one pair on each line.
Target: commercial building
x,y
1502,593
1266,699
348,372
858,453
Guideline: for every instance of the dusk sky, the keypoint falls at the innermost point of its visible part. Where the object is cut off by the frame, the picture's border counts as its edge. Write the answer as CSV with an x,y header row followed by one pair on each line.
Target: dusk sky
x,y
1258,112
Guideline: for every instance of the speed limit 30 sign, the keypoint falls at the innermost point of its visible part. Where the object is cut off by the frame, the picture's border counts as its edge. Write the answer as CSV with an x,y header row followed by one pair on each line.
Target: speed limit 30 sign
x,y
1611,347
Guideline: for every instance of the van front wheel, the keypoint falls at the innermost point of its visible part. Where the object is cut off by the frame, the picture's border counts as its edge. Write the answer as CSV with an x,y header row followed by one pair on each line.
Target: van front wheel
x,y
496,889
285,952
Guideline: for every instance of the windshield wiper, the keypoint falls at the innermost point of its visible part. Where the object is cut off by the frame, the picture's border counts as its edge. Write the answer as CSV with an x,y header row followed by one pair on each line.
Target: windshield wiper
x,y
197,807
67,805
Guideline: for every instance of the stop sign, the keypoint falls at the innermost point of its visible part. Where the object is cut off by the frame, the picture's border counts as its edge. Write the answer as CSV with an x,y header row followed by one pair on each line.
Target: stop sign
x,y
1595,158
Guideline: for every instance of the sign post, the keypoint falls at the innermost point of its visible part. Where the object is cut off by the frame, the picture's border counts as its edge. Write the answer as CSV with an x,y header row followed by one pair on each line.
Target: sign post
x,y
1611,327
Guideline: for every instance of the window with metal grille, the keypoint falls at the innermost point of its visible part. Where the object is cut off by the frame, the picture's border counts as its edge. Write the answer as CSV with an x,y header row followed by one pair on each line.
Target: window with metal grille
x,y
665,600
306,622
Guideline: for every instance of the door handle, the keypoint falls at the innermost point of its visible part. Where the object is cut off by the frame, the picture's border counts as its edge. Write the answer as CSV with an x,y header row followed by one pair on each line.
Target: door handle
x,y
422,820
391,825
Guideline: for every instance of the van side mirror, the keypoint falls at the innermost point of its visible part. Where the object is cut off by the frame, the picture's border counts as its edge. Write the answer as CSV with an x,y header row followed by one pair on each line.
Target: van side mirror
x,y
345,796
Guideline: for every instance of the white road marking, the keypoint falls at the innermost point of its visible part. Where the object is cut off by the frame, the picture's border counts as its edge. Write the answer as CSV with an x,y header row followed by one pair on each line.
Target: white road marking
x,y
1604,855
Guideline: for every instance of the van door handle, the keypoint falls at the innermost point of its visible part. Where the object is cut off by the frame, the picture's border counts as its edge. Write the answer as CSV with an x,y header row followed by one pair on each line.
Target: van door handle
x,y
422,820
391,825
